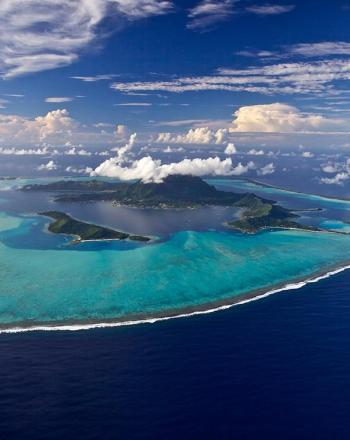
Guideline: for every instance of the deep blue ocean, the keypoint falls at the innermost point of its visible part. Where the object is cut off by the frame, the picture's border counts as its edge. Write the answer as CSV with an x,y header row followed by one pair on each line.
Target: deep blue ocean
x,y
277,368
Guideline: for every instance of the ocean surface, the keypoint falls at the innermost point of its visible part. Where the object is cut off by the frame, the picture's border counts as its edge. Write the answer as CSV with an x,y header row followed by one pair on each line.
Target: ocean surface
x,y
273,368
277,368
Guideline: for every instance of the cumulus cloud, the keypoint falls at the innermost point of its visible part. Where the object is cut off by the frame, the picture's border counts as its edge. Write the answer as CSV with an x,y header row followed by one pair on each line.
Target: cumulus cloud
x,y
123,152
330,168
76,152
230,149
17,128
243,169
254,152
338,179
121,130
169,149
282,118
37,36
45,151
200,135
148,169
56,128
57,121
308,155
267,169
49,166
342,170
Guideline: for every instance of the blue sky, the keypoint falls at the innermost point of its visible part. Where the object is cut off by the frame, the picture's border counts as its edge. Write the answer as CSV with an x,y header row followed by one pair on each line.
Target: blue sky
x,y
169,66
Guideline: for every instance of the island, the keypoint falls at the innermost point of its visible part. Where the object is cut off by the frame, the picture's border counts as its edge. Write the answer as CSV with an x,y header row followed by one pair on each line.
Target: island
x,y
176,191
65,224
263,215
75,185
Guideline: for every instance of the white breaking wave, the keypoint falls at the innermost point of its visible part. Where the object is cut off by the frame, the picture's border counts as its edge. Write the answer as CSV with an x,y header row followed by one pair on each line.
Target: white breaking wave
x,y
99,325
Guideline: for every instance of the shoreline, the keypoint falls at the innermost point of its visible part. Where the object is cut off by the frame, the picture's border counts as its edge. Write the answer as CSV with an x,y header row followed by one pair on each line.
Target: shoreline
x,y
288,190
283,228
185,312
78,239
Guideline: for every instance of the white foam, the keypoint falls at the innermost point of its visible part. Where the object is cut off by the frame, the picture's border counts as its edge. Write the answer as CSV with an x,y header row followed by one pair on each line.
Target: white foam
x,y
80,327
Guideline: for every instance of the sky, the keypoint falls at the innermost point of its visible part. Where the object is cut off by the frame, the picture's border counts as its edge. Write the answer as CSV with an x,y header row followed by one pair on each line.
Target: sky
x,y
205,73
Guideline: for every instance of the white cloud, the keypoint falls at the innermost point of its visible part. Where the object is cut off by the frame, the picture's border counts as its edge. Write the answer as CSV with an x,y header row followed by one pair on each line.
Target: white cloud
x,y
54,124
342,170
330,168
49,166
75,152
270,9
183,122
169,149
152,170
282,118
56,127
103,125
200,135
230,149
209,12
308,154
254,152
267,169
27,152
86,170
322,49
243,169
123,152
256,53
95,78
133,104
58,99
14,95
314,77
37,36
220,135
338,179
121,130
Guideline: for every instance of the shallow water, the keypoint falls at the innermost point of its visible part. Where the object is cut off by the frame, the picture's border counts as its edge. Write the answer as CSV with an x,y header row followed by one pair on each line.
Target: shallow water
x,y
185,269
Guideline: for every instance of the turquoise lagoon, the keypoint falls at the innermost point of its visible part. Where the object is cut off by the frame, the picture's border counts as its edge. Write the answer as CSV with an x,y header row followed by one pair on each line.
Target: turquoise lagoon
x,y
187,271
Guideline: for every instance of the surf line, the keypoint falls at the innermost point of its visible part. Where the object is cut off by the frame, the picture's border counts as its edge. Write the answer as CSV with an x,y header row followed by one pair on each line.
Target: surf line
x,y
152,320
